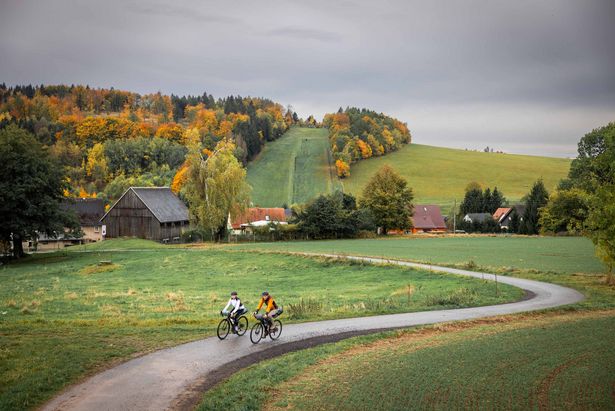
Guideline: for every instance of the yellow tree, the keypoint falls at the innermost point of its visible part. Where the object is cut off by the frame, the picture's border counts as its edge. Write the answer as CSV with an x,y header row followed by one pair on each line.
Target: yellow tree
x,y
170,131
96,166
216,187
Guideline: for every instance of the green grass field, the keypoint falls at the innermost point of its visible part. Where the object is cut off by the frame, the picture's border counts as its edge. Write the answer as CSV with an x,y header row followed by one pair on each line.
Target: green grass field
x,y
566,255
564,361
293,169
439,175
64,316
559,359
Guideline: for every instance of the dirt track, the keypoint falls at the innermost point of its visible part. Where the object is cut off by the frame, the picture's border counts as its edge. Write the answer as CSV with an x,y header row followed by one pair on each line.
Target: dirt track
x,y
174,378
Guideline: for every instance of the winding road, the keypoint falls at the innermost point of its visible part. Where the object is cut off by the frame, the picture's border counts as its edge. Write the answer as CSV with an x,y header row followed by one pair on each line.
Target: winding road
x,y
174,378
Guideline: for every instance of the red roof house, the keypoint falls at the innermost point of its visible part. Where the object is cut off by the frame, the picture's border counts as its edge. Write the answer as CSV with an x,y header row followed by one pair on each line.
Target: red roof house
x,y
501,213
427,218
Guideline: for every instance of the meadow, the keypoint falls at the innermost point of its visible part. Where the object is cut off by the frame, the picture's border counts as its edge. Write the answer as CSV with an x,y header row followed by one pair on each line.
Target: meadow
x,y
440,175
550,361
293,169
68,314
567,255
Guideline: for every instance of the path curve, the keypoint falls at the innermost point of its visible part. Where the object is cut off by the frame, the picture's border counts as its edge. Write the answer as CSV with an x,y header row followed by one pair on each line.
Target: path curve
x,y
157,381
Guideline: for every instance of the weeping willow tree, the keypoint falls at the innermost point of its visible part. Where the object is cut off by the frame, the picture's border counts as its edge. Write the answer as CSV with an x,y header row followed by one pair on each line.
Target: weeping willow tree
x,y
216,187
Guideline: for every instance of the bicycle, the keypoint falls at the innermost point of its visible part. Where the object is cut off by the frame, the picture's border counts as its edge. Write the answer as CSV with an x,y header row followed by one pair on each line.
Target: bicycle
x,y
262,329
226,325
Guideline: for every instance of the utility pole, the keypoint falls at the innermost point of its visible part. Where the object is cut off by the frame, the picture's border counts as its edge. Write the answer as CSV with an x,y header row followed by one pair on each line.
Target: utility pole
x,y
454,216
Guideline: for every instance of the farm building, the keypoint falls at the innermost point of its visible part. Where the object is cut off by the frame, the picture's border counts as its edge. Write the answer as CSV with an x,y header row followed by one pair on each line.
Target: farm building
x,y
501,213
153,213
505,219
427,219
477,217
88,211
255,217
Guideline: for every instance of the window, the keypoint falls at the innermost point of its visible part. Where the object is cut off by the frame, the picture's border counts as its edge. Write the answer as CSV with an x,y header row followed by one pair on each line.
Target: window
x,y
96,229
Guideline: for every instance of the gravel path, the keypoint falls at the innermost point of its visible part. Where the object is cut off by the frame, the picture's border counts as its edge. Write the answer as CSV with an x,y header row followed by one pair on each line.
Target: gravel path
x,y
174,378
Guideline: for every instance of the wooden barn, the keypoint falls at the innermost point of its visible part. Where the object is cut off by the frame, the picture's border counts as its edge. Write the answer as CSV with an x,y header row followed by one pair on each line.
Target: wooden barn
x,y
153,213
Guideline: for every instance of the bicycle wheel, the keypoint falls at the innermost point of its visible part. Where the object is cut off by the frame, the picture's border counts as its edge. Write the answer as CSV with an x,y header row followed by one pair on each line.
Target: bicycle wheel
x,y
242,325
275,330
256,333
223,329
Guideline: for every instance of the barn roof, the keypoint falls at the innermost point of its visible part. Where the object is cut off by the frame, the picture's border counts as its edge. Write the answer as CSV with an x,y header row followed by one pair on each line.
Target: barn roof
x,y
428,216
88,210
259,214
161,201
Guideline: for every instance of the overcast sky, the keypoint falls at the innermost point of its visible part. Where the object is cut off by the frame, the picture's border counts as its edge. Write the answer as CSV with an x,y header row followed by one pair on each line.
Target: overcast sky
x,y
523,76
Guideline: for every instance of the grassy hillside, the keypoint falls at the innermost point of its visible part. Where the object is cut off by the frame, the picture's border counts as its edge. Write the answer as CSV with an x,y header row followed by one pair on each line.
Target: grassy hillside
x,y
439,175
293,169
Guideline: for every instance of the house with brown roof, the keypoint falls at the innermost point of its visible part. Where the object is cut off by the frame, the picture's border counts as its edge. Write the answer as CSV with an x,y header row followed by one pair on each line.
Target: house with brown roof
x,y
256,217
427,218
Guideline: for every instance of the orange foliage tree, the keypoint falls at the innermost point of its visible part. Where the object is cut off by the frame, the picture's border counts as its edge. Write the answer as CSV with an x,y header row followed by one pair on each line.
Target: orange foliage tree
x,y
180,178
343,169
170,131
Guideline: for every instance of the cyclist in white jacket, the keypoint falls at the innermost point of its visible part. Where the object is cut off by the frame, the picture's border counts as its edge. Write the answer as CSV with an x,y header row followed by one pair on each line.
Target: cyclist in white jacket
x,y
237,309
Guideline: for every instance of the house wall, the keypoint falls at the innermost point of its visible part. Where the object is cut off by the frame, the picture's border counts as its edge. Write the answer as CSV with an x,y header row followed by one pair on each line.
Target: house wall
x,y
93,233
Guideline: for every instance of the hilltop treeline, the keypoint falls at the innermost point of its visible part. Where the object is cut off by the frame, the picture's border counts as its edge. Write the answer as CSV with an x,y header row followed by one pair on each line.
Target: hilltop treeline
x,y
109,139
356,134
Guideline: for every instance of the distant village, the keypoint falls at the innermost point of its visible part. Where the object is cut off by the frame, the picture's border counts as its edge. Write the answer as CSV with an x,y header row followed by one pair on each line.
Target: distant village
x,y
156,213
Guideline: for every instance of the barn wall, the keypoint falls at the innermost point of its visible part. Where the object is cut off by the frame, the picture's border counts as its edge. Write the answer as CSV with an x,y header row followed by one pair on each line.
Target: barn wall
x,y
130,218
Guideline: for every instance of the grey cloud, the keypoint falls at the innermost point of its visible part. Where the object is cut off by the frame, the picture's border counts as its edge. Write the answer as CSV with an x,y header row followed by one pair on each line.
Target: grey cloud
x,y
304,34
529,74
202,14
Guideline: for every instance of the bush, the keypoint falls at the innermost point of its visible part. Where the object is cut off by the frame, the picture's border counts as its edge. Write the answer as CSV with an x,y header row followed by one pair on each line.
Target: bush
x,y
461,297
367,234
305,308
195,235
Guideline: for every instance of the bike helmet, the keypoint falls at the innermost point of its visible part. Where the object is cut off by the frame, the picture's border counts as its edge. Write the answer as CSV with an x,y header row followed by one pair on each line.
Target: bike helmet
x,y
265,294
233,293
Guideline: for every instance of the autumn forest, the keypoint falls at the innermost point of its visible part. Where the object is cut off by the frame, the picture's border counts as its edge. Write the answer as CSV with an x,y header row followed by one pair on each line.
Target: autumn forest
x,y
108,140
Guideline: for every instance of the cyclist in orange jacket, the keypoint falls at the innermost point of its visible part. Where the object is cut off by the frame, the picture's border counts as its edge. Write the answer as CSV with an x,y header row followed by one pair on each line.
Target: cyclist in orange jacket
x,y
271,307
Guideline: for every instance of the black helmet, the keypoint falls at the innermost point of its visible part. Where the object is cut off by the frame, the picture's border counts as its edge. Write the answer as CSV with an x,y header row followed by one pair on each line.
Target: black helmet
x,y
233,293
265,294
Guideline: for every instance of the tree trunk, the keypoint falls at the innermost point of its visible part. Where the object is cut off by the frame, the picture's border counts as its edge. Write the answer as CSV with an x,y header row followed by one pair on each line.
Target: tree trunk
x,y
221,233
17,246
